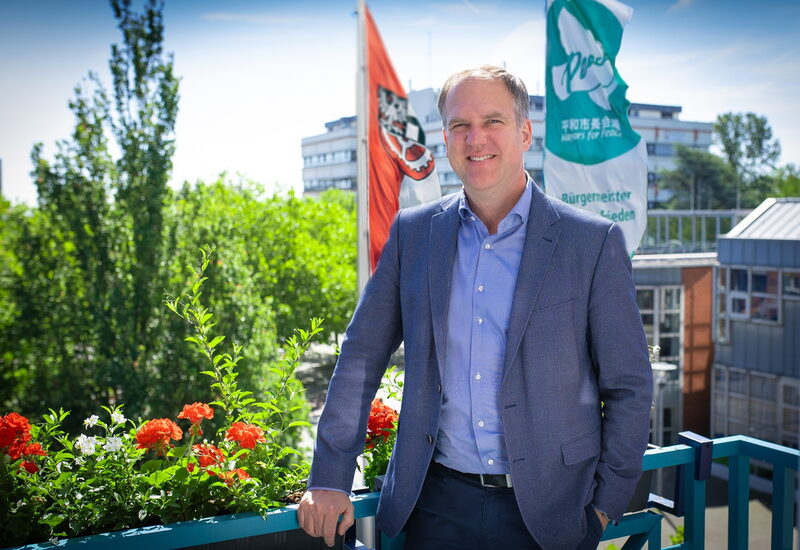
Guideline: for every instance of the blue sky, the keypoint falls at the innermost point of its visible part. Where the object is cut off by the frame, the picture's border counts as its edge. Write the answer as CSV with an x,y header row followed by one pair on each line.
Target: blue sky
x,y
258,76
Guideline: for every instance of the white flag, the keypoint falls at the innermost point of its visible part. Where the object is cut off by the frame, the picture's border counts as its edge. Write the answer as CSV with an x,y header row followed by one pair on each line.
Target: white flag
x,y
593,158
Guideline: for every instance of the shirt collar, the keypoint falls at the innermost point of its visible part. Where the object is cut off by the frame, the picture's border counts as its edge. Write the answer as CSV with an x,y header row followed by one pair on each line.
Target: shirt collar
x,y
522,208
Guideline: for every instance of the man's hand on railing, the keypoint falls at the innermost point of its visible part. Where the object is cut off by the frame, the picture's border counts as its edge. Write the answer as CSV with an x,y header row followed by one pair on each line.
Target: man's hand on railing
x,y
319,511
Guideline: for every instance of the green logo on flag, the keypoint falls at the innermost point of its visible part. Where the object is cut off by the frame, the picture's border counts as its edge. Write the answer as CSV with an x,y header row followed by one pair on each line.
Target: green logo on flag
x,y
587,113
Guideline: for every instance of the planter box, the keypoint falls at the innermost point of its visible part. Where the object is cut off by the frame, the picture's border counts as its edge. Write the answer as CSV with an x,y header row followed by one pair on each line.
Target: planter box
x,y
279,531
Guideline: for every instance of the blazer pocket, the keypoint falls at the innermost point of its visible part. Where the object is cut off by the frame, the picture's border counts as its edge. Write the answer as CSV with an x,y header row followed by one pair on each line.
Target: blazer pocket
x,y
581,448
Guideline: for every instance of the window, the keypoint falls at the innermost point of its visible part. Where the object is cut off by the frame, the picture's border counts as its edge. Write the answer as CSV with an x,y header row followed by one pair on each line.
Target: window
x,y
764,298
721,310
791,285
660,308
756,404
747,294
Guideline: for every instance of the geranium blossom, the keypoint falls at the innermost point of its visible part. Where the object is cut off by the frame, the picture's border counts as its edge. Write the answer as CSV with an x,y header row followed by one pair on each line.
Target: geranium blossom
x,y
382,420
208,455
246,435
232,475
15,432
156,434
31,450
195,413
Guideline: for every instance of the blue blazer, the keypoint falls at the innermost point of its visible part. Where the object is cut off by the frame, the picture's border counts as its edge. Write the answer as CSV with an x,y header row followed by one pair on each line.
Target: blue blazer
x,y
575,340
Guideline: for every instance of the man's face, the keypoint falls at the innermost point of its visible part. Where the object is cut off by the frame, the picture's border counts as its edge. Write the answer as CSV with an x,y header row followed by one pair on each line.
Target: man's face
x,y
484,143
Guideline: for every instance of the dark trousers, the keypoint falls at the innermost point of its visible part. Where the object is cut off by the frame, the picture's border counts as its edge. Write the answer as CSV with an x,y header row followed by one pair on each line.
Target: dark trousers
x,y
456,513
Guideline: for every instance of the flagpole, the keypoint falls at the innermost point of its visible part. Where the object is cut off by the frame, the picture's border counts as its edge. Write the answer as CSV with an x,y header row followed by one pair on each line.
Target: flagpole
x,y
362,153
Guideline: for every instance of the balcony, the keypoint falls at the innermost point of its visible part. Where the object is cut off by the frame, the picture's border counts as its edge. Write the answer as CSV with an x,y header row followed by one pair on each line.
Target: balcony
x,y
693,460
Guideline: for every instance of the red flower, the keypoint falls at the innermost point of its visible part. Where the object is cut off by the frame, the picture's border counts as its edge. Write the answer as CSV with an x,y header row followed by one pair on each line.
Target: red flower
x,y
208,455
30,466
246,435
14,434
382,420
155,434
195,413
34,449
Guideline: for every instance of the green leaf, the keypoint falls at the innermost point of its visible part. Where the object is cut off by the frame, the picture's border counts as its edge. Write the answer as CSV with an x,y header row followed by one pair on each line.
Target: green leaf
x,y
216,341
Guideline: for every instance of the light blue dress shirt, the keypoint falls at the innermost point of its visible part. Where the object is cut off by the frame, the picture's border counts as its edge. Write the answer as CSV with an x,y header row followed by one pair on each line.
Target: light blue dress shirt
x,y
471,437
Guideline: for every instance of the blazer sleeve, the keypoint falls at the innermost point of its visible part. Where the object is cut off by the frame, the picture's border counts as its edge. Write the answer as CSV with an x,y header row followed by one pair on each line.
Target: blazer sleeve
x,y
619,352
374,333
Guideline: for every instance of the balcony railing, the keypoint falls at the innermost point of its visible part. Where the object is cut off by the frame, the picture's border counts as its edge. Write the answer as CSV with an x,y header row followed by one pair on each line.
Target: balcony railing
x,y
693,460
681,231
694,465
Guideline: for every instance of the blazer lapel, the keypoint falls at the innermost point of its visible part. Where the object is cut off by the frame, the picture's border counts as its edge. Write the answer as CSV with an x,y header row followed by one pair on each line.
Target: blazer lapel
x,y
441,255
540,242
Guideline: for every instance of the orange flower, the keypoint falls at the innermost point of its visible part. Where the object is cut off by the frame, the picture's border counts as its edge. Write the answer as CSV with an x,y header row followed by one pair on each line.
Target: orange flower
x,y
382,420
195,413
155,434
246,435
230,477
208,455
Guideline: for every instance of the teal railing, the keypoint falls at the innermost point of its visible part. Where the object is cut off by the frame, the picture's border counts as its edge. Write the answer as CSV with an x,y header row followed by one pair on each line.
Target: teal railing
x,y
692,459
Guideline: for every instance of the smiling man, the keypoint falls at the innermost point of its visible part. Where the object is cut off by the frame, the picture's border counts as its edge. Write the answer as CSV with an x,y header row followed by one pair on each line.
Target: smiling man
x,y
519,319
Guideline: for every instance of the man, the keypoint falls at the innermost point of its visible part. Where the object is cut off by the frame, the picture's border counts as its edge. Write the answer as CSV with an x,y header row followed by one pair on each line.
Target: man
x,y
519,319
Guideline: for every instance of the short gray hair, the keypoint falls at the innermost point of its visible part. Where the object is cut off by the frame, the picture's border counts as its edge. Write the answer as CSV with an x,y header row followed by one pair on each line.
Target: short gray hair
x,y
513,84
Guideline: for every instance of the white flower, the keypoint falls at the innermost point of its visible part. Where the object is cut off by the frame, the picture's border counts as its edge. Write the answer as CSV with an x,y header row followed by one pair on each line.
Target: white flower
x,y
86,445
118,417
54,541
91,421
80,461
112,444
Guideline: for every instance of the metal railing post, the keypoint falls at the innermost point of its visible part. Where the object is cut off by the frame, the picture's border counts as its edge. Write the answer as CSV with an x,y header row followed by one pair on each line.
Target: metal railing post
x,y
738,501
782,508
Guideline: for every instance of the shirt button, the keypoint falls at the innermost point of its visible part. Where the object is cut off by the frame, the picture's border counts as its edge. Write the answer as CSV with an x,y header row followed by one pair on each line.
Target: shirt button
x,y
472,218
480,320
480,423
430,439
439,388
487,246
480,288
478,376
490,462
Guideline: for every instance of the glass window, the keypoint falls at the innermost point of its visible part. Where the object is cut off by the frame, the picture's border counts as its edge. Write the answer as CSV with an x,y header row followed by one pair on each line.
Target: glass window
x,y
647,321
737,409
739,280
764,388
722,279
670,347
764,308
670,322
765,281
791,395
791,284
737,382
738,305
672,298
644,298
791,421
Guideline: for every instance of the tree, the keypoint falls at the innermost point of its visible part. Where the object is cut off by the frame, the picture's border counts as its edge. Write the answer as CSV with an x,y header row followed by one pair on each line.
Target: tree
x,y
746,142
786,181
700,180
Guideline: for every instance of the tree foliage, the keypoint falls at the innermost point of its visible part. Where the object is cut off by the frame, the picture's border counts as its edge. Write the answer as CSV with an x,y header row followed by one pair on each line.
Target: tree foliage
x,y
83,275
699,180
746,142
